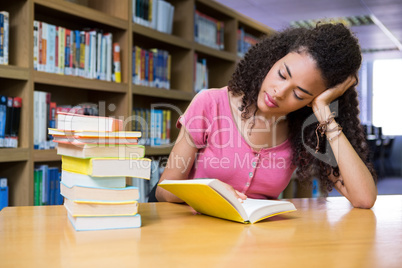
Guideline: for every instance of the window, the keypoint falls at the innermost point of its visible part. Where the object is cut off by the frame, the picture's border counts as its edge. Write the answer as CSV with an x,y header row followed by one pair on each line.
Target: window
x,y
387,96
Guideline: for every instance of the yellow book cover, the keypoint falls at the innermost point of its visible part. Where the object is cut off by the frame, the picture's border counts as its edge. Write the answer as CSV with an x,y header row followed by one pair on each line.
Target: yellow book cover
x,y
108,167
211,197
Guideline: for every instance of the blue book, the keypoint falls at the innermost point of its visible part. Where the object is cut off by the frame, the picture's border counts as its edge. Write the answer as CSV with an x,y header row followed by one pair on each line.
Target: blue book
x,y
3,119
3,193
59,197
1,38
52,173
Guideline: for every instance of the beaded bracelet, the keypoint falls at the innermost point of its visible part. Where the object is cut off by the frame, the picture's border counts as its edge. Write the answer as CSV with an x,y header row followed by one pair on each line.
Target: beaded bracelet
x,y
322,128
336,135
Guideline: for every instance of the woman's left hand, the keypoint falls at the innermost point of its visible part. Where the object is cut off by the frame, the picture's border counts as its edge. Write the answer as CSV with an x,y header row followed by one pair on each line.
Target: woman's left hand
x,y
331,94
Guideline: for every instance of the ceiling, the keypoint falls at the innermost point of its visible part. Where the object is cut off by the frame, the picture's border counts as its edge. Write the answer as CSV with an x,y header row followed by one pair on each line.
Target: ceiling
x,y
278,14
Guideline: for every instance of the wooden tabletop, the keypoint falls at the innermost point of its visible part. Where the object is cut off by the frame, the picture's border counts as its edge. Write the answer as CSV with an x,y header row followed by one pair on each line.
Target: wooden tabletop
x,y
321,233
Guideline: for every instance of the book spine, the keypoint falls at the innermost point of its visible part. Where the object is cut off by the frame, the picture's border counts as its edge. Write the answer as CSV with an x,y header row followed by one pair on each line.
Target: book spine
x,y
36,187
36,119
1,38
77,59
51,48
15,121
36,44
57,47
5,36
3,193
103,58
116,63
62,49
168,122
3,118
98,54
138,65
93,55
72,53
87,58
67,52
9,112
81,71
133,66
44,46
169,64
109,49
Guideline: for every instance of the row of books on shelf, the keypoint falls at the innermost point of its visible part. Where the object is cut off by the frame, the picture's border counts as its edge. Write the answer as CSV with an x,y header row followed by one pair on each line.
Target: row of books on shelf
x,y
151,67
3,193
154,124
45,115
95,190
47,186
88,53
200,73
10,113
156,14
4,36
245,41
209,31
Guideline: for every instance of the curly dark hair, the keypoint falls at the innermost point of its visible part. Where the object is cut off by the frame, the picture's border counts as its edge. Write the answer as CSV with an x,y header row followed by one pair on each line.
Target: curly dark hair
x,y
337,54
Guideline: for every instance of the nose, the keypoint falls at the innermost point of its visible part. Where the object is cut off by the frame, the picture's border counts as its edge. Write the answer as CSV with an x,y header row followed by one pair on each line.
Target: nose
x,y
281,90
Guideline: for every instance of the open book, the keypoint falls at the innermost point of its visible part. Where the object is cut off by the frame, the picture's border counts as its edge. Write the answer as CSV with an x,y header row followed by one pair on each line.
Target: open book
x,y
211,197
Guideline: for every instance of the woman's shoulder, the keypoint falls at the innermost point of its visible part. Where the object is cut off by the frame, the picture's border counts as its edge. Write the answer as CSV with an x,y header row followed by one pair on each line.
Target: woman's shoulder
x,y
214,92
211,97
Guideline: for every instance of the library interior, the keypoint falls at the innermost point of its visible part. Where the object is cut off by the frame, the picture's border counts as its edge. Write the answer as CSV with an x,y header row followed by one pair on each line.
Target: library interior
x,y
92,93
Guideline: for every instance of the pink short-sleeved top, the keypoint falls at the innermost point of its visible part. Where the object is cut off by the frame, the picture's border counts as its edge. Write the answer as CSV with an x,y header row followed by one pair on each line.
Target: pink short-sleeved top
x,y
225,155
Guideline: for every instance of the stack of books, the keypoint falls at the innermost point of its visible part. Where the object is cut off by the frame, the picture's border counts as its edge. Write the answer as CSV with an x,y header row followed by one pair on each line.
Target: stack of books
x,y
97,157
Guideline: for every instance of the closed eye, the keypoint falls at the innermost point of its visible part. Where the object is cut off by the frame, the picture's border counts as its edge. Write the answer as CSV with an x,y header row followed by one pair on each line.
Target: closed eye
x,y
296,96
280,75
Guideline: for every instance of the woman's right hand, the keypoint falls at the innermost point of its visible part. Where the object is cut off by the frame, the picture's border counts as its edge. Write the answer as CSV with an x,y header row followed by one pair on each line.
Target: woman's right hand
x,y
239,195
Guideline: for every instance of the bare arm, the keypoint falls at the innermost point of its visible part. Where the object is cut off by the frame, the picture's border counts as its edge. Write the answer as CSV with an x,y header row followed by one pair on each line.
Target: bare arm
x,y
179,164
358,183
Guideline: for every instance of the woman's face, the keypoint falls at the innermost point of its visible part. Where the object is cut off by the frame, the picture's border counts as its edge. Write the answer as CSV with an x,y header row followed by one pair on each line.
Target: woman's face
x,y
292,83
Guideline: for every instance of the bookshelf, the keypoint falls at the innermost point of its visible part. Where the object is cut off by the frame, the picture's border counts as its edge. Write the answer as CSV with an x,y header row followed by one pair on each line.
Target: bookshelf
x,y
19,79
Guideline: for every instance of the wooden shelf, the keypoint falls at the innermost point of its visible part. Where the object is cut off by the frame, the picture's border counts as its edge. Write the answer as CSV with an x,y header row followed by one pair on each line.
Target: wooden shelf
x,y
14,72
162,93
14,155
162,37
224,55
83,12
78,82
46,155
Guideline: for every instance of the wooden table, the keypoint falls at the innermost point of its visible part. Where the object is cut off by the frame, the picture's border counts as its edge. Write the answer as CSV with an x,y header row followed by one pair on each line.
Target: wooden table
x,y
320,234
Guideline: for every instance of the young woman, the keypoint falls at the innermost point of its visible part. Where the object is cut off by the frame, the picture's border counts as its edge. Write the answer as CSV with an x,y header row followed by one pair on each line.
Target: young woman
x,y
275,117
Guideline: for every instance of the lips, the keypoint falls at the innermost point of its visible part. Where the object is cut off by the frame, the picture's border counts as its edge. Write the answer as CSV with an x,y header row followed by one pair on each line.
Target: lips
x,y
269,101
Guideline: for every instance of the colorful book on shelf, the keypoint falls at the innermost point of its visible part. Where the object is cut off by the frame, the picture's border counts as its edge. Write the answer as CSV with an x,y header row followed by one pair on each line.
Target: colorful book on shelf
x,y
69,121
79,208
89,223
99,194
71,179
211,197
108,167
100,150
